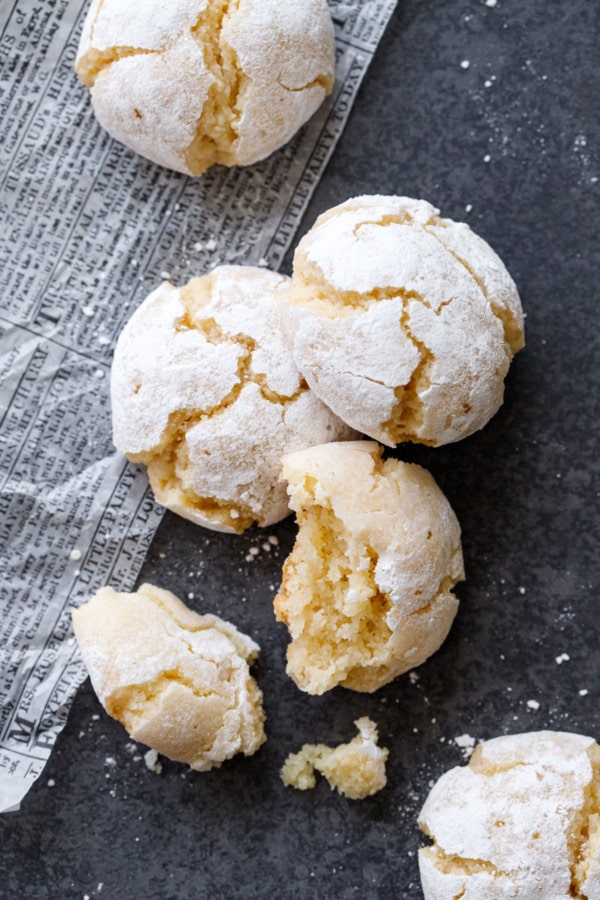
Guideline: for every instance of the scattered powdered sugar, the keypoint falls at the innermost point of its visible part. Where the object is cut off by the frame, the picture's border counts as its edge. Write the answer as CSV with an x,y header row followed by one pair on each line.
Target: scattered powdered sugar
x,y
564,657
533,704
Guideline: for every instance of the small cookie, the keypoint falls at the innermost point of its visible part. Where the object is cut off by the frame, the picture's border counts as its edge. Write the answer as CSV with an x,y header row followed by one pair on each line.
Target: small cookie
x,y
179,682
367,589
189,83
356,770
403,323
522,820
205,392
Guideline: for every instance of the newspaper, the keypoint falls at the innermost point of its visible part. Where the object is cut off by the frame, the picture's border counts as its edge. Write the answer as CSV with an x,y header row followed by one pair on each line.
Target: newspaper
x,y
88,229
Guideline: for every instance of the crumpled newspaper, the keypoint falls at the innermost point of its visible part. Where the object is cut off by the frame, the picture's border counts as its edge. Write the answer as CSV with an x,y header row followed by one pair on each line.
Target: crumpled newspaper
x,y
89,228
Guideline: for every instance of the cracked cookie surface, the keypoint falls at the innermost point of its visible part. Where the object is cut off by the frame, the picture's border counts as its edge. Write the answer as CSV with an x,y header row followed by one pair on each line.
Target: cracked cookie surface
x,y
366,592
191,83
178,681
403,323
522,820
206,394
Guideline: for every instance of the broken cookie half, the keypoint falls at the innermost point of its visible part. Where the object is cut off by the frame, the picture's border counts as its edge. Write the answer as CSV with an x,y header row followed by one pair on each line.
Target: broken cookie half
x,y
178,681
522,820
190,83
367,589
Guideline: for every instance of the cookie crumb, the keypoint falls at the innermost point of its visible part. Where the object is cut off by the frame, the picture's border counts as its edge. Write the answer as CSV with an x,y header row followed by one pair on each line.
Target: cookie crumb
x,y
356,769
152,762
466,743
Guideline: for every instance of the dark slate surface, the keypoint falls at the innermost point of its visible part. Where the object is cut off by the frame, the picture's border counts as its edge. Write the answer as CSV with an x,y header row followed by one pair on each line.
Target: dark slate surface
x,y
525,490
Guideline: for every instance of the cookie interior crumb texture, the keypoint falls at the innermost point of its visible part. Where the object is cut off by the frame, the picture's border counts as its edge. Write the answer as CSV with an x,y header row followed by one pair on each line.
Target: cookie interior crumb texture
x,y
206,394
366,592
190,83
521,820
403,323
356,769
178,681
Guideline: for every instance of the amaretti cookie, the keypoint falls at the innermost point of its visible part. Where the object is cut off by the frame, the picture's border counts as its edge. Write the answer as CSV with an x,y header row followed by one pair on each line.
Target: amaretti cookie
x,y
178,681
205,392
402,322
367,589
356,769
189,83
522,820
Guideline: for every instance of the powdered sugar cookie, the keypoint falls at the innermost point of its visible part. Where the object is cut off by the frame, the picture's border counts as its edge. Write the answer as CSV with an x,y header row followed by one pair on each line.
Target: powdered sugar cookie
x,y
403,323
367,589
522,820
205,392
179,682
189,83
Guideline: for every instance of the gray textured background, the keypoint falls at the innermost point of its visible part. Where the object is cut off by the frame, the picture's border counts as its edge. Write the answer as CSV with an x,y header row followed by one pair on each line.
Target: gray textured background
x,y
525,490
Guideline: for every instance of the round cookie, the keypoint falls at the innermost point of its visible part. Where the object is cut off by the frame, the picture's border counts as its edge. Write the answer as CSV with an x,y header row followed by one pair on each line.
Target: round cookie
x,y
189,83
179,682
367,589
205,392
403,323
521,821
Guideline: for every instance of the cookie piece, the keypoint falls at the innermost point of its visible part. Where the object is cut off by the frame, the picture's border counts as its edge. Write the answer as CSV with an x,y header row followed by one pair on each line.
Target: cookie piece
x,y
403,323
367,589
522,820
205,392
190,83
179,682
356,770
